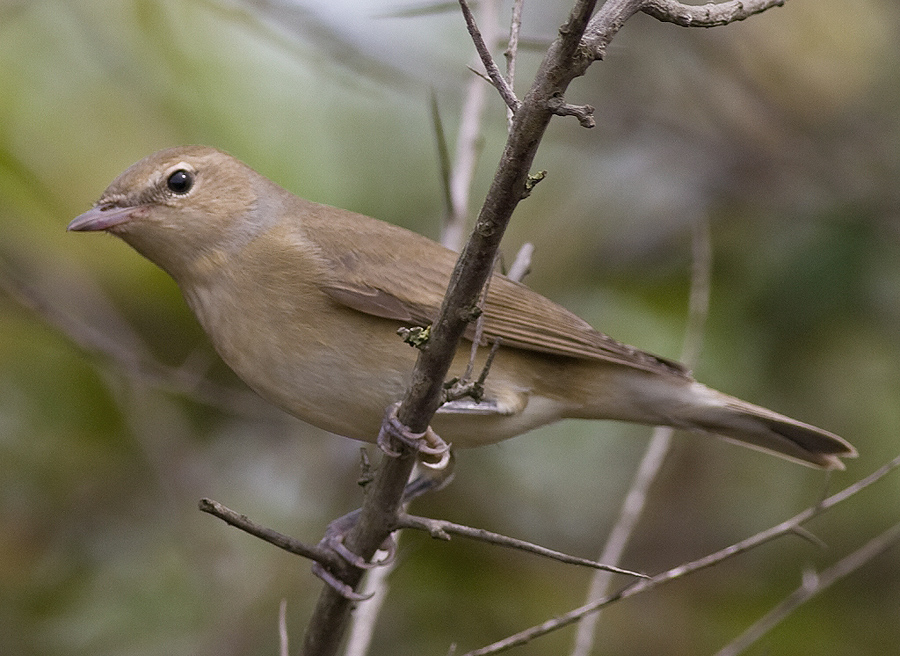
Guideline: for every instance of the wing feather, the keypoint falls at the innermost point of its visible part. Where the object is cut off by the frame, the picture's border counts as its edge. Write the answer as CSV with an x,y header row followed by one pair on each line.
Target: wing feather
x,y
407,282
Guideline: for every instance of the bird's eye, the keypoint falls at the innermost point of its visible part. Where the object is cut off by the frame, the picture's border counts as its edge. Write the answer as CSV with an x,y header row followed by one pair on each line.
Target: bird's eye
x,y
180,182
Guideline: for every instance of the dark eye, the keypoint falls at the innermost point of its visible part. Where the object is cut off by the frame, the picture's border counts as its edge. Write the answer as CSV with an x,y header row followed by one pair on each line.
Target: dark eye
x,y
180,182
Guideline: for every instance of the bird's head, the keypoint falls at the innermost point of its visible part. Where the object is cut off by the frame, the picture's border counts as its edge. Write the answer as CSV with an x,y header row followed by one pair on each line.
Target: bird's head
x,y
180,205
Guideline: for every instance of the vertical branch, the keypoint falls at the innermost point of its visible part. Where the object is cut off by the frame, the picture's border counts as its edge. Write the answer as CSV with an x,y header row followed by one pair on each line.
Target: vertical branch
x,y
658,448
457,185
565,60
383,494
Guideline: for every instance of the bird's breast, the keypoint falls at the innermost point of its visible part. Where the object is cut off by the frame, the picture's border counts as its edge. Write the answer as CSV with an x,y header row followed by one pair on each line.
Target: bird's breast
x,y
331,366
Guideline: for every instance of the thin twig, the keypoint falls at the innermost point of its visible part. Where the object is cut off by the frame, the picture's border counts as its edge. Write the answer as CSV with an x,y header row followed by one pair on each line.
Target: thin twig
x,y
584,113
283,648
442,529
512,51
658,448
784,528
289,544
479,330
487,60
375,522
468,145
812,585
521,265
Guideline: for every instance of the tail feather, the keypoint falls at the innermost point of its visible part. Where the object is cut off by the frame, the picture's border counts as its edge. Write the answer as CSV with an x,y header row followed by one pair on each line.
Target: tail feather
x,y
765,430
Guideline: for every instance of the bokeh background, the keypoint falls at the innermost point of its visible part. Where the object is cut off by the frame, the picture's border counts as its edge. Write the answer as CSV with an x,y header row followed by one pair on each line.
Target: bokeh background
x,y
116,417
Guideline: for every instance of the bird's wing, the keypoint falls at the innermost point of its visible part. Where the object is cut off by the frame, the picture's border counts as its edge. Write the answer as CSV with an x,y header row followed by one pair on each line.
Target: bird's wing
x,y
407,282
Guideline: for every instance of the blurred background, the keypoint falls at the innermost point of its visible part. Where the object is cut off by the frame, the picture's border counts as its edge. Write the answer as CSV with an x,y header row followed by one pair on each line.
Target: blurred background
x,y
782,131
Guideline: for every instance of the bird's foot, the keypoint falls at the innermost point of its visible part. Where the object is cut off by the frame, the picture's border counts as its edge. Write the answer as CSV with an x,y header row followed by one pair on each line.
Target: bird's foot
x,y
429,478
334,540
433,451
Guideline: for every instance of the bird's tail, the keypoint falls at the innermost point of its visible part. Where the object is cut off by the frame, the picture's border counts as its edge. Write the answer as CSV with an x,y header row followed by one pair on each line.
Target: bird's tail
x,y
760,428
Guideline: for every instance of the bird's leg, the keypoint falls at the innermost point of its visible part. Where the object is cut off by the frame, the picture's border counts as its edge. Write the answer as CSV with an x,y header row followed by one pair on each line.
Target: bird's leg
x,y
430,478
427,444
334,540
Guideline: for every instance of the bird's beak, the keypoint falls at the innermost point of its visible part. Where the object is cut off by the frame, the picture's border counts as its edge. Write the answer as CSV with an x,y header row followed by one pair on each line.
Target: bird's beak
x,y
101,217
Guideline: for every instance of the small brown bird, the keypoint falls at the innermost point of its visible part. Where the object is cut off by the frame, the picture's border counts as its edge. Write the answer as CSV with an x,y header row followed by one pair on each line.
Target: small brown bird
x,y
304,301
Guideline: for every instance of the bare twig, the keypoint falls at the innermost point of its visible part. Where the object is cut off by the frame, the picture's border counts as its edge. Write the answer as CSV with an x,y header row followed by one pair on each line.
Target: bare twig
x,y
613,14
512,51
468,145
812,585
581,41
289,544
476,262
584,113
442,529
375,523
283,642
658,448
708,15
457,183
487,60
784,528
522,263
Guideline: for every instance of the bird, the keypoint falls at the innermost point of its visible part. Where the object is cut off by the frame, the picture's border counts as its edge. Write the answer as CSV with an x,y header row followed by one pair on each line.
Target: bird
x,y
304,301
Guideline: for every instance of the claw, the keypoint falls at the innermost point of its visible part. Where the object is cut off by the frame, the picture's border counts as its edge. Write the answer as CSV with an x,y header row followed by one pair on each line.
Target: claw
x,y
334,540
389,547
339,586
427,442
337,545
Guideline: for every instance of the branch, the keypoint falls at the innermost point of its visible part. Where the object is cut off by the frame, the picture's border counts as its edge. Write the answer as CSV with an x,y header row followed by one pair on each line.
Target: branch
x,y
812,585
490,66
709,15
522,263
512,49
468,143
560,66
613,14
441,529
375,523
476,262
606,24
787,527
314,552
584,113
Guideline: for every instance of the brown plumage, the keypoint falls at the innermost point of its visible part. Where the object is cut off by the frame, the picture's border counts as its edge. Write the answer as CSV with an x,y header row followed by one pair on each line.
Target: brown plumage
x,y
303,301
